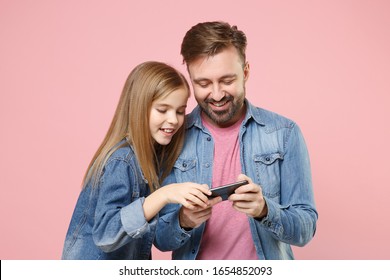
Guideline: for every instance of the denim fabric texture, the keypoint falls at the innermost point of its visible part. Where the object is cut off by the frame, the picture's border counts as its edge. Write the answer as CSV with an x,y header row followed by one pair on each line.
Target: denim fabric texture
x,y
108,220
274,155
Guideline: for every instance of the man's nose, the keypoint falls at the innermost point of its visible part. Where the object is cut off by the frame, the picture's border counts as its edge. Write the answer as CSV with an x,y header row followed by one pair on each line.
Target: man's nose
x,y
217,93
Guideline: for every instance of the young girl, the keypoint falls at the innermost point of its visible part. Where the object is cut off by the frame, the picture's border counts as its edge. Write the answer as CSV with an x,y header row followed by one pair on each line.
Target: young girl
x,y
117,210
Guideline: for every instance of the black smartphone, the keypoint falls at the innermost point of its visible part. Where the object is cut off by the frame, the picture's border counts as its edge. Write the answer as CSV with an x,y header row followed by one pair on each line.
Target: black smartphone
x,y
226,190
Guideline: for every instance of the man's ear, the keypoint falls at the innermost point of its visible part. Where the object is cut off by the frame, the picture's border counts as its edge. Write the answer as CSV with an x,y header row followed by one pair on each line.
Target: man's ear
x,y
246,71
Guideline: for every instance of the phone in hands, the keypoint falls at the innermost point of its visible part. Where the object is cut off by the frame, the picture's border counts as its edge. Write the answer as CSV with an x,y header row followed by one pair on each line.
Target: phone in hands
x,y
226,190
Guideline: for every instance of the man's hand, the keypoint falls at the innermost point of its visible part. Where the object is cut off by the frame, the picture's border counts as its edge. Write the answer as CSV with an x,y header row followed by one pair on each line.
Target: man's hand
x,y
249,199
193,218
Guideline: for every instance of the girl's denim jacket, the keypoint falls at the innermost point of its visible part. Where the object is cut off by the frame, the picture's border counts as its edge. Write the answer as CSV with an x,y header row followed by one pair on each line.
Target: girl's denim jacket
x,y
108,220
273,154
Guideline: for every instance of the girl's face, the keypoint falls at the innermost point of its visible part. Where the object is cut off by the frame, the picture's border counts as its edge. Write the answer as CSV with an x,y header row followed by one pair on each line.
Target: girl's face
x,y
167,115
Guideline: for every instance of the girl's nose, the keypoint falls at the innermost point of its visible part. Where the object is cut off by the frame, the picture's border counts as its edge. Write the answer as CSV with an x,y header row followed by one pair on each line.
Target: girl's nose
x,y
173,118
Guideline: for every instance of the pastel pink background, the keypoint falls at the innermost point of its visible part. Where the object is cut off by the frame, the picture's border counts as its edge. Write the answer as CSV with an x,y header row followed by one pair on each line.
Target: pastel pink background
x,y
325,64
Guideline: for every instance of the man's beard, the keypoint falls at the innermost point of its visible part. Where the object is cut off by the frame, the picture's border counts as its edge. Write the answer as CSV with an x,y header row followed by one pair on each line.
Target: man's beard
x,y
223,117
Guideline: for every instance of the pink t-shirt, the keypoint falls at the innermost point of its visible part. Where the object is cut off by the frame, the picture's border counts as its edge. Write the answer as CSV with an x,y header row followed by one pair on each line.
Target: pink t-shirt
x,y
227,233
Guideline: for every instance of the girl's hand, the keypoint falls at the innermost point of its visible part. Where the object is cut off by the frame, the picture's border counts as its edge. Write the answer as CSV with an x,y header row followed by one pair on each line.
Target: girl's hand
x,y
190,195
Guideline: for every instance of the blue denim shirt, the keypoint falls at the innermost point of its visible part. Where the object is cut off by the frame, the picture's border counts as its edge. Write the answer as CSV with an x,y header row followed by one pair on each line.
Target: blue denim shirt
x,y
108,221
274,155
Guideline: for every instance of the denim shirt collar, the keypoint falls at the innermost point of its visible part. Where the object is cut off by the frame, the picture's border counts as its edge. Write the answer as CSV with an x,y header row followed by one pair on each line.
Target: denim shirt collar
x,y
194,118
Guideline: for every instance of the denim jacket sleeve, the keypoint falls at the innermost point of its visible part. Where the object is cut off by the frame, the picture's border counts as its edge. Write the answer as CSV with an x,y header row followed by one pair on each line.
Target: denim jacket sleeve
x,y
168,225
169,235
119,212
293,218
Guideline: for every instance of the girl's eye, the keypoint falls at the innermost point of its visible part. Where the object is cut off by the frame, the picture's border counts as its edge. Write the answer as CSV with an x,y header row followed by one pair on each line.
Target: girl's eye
x,y
162,111
180,112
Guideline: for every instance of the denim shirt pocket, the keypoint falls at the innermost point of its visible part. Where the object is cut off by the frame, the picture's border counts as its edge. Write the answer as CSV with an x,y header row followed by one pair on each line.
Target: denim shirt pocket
x,y
268,173
185,170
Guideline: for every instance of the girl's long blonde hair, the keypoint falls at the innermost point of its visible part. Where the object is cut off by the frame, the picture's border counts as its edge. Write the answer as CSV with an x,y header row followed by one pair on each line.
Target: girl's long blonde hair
x,y
147,82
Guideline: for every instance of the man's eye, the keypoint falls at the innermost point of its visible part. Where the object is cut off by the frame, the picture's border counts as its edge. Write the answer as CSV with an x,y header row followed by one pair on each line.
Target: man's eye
x,y
203,85
227,82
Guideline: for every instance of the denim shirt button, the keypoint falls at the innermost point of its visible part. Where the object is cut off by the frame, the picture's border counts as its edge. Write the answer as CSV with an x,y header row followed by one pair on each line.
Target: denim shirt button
x,y
269,224
184,164
209,138
207,165
267,159
193,251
